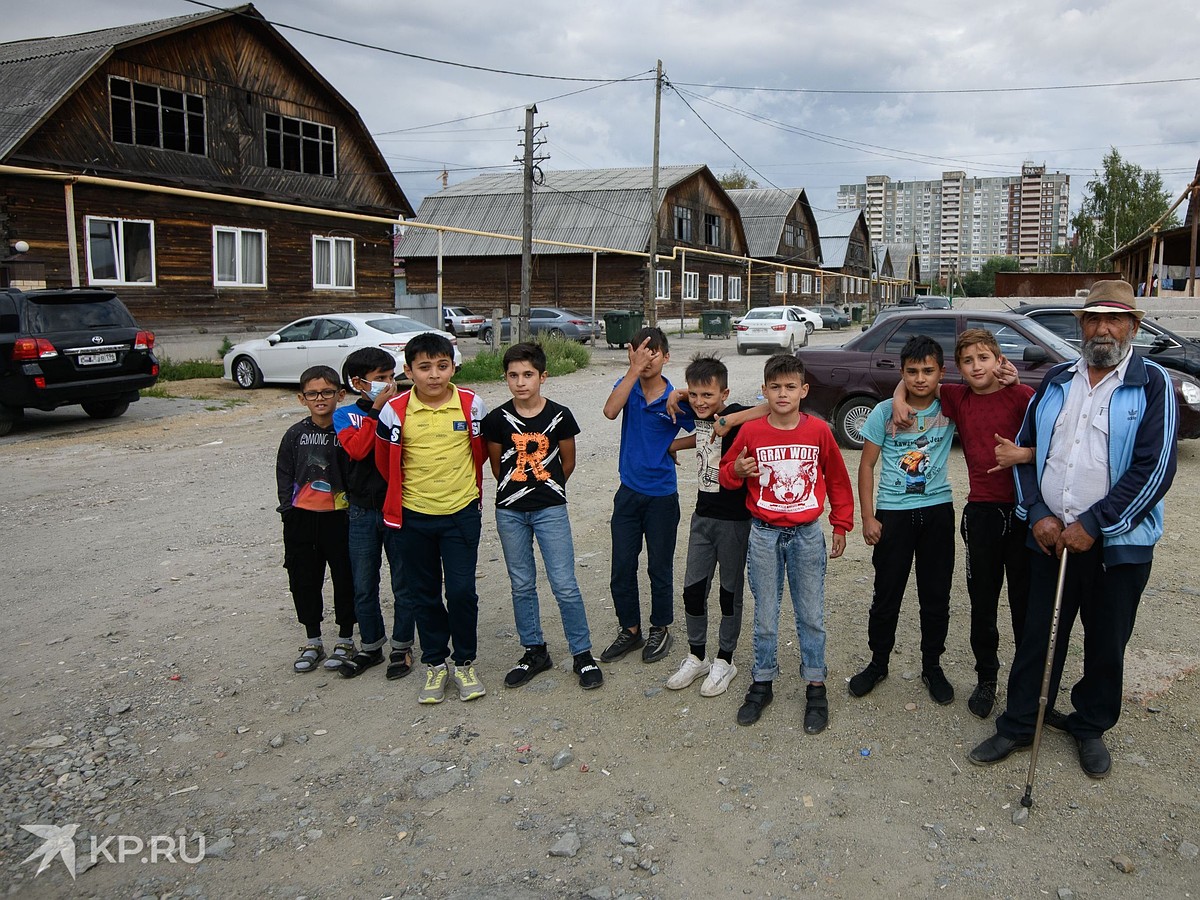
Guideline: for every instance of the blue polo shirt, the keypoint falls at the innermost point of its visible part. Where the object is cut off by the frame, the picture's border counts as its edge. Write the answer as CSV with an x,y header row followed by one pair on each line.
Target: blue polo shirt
x,y
646,435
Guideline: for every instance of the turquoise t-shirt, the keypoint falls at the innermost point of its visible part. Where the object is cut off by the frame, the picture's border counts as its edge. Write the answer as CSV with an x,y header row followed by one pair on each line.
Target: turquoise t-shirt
x,y
913,463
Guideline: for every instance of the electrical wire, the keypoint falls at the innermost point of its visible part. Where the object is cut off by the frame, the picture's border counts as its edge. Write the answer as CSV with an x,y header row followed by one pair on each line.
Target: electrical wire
x,y
679,94
924,91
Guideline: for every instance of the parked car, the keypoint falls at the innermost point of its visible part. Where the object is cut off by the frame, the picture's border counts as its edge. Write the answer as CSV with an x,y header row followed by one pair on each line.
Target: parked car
x,y
460,320
1152,340
832,317
846,382
550,320
773,328
62,347
322,341
925,301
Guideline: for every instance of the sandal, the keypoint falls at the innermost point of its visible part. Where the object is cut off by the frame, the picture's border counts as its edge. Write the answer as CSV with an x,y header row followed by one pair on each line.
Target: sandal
x,y
360,662
399,663
310,655
342,651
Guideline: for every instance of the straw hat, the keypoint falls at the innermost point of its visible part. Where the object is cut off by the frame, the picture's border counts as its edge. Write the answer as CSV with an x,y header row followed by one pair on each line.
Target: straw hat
x,y
1111,297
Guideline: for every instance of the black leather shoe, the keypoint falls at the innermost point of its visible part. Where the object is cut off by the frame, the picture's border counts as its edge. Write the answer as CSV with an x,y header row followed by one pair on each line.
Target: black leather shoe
x,y
1056,721
758,698
996,748
1094,758
816,710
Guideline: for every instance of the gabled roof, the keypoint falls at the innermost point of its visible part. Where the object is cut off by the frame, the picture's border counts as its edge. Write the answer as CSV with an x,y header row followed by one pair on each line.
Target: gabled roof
x,y
881,258
902,255
833,251
597,207
836,223
764,212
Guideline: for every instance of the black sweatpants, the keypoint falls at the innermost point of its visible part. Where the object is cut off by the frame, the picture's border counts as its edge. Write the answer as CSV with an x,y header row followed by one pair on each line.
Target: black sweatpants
x,y
312,541
996,550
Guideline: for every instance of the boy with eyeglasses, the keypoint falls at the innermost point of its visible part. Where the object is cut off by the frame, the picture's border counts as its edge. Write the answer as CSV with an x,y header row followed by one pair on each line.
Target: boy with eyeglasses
x,y
310,472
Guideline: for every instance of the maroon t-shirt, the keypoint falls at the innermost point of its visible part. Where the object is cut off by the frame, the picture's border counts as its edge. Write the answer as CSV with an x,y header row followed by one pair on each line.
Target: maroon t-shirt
x,y
980,417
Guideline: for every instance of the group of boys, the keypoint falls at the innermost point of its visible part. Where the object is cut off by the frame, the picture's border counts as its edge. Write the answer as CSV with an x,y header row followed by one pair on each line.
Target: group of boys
x,y
401,472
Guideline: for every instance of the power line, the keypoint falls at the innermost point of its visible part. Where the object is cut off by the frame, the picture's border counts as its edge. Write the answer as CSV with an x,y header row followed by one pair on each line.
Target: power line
x,y
679,94
876,91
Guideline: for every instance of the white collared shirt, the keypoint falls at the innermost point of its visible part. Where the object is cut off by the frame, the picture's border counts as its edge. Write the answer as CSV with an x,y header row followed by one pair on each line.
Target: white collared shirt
x,y
1076,476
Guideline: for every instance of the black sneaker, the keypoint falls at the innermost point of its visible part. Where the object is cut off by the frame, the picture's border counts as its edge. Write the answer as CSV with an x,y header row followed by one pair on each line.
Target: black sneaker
x,y
939,688
758,698
982,699
657,644
816,710
535,660
864,682
626,641
589,673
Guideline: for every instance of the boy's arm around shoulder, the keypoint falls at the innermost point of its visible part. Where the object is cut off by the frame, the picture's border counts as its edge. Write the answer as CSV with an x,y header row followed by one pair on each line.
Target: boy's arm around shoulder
x,y
731,475
388,442
356,431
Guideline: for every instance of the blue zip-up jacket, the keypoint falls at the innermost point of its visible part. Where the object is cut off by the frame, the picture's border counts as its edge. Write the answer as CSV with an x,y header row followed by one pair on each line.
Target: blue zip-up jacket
x,y
1141,459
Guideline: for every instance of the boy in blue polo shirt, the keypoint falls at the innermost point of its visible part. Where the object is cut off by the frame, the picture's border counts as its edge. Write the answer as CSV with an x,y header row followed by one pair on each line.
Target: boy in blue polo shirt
x,y
646,505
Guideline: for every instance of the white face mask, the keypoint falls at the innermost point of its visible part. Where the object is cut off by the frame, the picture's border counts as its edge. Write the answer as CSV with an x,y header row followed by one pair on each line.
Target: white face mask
x,y
376,388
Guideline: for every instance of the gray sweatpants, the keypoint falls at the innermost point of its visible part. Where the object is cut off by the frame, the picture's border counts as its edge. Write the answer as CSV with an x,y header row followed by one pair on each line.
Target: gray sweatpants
x,y
713,543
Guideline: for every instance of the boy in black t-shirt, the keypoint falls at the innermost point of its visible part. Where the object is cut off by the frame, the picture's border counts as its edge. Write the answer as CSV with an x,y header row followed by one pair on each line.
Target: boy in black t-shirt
x,y
531,444
719,532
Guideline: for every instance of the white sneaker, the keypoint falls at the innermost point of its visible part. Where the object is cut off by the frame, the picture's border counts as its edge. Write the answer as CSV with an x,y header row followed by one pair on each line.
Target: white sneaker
x,y
689,670
719,676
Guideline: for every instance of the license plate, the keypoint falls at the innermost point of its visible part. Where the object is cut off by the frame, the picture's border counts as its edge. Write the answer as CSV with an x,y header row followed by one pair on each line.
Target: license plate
x,y
96,359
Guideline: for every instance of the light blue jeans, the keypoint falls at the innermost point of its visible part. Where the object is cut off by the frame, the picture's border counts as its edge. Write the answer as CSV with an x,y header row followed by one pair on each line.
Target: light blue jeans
x,y
798,552
552,528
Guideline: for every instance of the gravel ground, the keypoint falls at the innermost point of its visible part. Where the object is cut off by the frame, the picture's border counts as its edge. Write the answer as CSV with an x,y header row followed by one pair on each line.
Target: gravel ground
x,y
153,695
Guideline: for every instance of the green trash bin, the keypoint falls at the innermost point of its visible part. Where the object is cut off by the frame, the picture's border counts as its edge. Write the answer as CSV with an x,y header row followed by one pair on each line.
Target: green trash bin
x,y
856,314
620,325
716,323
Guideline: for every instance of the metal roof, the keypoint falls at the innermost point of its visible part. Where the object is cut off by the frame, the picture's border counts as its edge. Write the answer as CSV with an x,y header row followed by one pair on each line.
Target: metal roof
x,y
835,223
833,251
763,212
596,207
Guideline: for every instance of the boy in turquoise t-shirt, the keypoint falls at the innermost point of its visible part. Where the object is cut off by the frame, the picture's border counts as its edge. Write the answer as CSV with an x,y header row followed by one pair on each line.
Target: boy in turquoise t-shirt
x,y
913,519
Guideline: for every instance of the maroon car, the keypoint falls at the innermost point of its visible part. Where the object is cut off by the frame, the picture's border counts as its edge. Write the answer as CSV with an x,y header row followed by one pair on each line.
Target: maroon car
x,y
846,382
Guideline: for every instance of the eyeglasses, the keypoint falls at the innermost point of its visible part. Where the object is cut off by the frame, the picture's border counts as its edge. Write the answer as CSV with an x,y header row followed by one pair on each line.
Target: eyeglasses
x,y
327,394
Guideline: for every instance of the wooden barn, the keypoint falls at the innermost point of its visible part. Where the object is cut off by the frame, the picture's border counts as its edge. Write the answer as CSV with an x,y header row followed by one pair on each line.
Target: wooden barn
x,y
845,256
199,167
607,209
780,228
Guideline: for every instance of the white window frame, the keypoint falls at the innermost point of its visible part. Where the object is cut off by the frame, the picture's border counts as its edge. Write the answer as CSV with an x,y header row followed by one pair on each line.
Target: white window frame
x,y
817,285
238,233
795,282
119,250
735,289
781,282
806,283
333,243
662,284
691,285
716,287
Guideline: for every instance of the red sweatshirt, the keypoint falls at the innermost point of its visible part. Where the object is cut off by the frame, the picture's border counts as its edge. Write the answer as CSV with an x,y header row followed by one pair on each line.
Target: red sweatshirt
x,y
798,469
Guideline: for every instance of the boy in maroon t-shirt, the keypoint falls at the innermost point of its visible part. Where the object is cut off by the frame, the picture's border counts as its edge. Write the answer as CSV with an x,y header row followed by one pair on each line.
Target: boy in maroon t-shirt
x,y
987,413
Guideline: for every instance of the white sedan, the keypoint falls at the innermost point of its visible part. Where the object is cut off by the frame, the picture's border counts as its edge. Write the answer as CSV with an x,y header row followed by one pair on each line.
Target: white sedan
x,y
322,341
775,328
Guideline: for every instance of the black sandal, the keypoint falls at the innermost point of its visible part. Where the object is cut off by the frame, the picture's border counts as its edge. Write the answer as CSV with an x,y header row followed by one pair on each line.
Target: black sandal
x,y
360,662
399,663
310,656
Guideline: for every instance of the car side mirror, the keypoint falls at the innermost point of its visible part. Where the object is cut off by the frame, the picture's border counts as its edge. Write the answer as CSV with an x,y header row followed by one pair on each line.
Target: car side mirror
x,y
1035,355
273,340
1161,343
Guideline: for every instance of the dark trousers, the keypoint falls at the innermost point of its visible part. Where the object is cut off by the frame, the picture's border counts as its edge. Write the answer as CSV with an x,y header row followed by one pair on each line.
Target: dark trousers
x,y
636,516
925,534
996,549
433,548
1106,601
312,541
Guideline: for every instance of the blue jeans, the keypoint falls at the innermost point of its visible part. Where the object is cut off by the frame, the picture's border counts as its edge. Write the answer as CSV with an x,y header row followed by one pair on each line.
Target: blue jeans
x,y
432,547
369,538
799,552
552,528
656,518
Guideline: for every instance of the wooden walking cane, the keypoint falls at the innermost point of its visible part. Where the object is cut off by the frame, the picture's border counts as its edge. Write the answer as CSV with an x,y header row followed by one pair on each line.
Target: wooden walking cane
x,y
1044,699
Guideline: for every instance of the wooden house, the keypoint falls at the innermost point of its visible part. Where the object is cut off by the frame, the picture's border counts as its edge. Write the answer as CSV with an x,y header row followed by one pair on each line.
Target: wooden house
x,y
780,228
199,167
845,256
605,213
906,264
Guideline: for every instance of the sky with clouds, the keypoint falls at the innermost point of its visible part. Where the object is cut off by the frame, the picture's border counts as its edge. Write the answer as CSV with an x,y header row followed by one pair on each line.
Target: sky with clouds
x,y
797,94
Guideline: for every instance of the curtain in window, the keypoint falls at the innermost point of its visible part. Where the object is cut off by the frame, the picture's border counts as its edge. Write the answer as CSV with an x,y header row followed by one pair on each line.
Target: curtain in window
x,y
322,275
227,257
344,264
252,258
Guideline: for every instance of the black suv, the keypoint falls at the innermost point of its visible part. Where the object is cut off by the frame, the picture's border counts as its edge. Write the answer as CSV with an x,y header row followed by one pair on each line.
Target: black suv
x,y
59,347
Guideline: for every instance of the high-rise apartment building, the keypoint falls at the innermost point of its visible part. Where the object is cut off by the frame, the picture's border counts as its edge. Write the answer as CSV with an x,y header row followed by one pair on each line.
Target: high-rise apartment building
x,y
958,222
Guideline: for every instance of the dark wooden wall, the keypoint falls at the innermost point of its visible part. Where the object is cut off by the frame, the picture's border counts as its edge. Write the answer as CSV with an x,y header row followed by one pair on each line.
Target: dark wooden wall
x,y
35,211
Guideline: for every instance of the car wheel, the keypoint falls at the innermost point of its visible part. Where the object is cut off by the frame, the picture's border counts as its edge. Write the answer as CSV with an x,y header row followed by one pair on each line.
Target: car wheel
x,y
247,373
9,416
555,333
450,328
485,335
741,350
791,347
849,420
105,409
808,327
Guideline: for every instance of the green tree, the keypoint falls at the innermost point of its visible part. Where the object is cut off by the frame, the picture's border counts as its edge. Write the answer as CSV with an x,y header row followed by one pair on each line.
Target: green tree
x,y
1120,203
983,282
736,179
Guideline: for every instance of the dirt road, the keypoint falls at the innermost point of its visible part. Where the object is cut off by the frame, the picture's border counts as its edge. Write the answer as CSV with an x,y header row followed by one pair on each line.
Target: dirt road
x,y
148,691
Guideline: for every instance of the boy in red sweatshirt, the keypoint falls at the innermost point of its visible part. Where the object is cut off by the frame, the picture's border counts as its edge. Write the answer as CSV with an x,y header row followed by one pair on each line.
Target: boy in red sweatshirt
x,y
791,465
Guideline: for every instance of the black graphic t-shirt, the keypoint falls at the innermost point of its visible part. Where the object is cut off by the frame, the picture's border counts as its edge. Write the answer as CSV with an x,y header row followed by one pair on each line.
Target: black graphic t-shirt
x,y
714,501
531,473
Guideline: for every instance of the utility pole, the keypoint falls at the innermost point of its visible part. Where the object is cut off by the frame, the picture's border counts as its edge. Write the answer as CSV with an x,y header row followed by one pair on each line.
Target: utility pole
x,y
530,168
651,305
